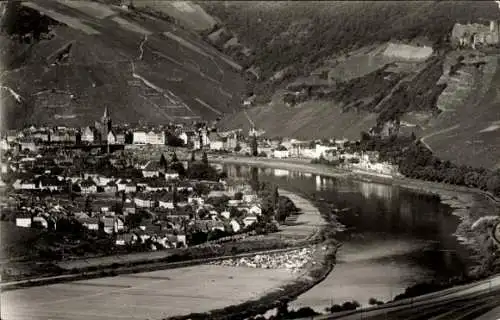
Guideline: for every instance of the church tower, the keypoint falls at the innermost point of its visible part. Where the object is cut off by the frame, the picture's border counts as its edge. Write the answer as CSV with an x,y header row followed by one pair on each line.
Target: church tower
x,y
106,125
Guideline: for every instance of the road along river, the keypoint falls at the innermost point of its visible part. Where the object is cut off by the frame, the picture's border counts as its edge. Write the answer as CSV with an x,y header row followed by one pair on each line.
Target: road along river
x,y
395,238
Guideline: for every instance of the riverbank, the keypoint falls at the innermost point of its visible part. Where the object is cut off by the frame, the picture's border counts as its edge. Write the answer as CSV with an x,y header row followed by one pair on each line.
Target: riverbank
x,y
468,204
261,294
310,226
304,165
321,264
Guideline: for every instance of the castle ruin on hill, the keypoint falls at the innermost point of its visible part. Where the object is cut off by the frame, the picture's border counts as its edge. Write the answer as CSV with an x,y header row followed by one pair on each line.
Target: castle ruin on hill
x,y
475,35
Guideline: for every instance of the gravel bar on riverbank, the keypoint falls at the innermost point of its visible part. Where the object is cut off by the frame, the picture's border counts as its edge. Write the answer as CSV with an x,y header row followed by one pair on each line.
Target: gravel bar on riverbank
x,y
320,262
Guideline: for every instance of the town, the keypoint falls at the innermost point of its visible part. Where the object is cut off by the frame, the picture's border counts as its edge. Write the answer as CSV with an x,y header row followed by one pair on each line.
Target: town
x,y
116,189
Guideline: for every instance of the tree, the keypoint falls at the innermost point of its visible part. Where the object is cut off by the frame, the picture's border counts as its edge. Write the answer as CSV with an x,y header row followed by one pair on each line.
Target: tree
x,y
88,204
175,196
375,302
163,162
193,156
179,168
275,196
254,146
235,213
204,159
174,157
202,189
174,141
238,196
493,184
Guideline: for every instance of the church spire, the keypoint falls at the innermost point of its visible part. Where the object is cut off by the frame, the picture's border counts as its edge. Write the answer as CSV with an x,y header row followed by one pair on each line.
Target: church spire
x,y
106,114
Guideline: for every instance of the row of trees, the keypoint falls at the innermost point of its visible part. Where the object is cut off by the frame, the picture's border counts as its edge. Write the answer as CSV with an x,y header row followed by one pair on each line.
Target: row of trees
x,y
416,161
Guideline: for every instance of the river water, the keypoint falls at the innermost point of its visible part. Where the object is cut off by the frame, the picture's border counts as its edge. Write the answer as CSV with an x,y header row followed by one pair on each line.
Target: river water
x,y
395,237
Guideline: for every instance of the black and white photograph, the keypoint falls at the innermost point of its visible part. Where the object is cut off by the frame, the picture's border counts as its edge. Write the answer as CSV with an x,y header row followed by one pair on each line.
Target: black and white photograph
x,y
249,160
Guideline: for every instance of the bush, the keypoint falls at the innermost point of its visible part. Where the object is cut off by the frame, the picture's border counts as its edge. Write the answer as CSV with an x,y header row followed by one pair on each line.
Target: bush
x,y
375,302
346,306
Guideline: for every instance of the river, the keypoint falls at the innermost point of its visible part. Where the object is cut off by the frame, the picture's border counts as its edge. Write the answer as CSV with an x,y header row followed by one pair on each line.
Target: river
x,y
395,237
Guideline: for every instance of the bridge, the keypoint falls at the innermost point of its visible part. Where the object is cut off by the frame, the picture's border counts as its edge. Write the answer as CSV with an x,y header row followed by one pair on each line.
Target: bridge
x,y
479,300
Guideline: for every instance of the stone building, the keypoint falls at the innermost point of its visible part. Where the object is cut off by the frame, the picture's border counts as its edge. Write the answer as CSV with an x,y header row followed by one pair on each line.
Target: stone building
x,y
475,35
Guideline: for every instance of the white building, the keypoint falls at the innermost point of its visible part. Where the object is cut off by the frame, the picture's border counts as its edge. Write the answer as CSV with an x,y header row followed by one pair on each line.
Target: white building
x,y
256,210
249,220
166,202
43,222
151,137
23,221
171,175
112,137
281,152
88,135
144,202
235,225
226,214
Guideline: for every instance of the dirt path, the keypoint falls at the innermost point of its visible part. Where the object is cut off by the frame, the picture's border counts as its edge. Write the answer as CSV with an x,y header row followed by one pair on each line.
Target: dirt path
x,y
436,133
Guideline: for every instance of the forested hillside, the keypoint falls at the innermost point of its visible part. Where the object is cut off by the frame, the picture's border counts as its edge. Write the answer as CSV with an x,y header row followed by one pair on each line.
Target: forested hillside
x,y
300,35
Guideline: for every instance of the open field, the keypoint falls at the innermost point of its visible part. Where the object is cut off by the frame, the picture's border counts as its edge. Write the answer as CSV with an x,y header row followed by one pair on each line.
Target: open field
x,y
150,295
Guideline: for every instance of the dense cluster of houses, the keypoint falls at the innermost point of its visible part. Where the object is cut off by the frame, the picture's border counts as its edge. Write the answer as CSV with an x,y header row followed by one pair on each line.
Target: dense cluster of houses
x,y
105,199
175,210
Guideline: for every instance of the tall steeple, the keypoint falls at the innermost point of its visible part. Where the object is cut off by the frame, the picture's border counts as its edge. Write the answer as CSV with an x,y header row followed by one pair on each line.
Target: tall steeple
x,y
106,120
106,113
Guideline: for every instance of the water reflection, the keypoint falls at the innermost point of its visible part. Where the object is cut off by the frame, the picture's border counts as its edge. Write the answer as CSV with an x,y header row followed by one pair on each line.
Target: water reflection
x,y
378,190
396,237
281,173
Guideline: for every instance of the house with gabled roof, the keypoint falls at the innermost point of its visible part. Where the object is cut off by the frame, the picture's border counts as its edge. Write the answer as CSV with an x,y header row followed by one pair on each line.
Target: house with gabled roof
x,y
25,184
255,209
152,169
171,175
111,187
144,200
156,185
235,225
88,186
51,183
166,201
111,137
249,220
89,135
131,187
185,186
121,183
90,223
128,208
112,224
124,239
216,141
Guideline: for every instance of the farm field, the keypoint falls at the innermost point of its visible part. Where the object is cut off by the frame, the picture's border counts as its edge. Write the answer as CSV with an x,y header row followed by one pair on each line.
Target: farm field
x,y
150,295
